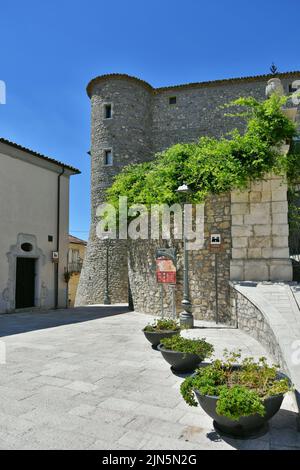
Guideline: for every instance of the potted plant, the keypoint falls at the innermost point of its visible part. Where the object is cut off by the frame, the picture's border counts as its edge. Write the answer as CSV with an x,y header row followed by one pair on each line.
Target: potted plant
x,y
241,396
184,354
160,329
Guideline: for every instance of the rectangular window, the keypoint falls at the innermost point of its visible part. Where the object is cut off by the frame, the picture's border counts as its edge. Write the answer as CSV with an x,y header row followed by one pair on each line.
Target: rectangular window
x,y
107,111
108,159
172,100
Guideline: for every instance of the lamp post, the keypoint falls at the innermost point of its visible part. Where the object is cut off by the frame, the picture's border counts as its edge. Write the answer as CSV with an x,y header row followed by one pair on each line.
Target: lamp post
x,y
186,316
106,300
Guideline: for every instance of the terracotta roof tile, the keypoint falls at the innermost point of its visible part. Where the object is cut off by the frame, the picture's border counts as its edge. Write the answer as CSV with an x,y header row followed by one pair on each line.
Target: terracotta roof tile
x,y
76,240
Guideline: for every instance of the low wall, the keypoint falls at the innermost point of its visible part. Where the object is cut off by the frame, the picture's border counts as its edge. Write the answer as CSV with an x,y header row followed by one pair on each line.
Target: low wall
x,y
278,331
250,319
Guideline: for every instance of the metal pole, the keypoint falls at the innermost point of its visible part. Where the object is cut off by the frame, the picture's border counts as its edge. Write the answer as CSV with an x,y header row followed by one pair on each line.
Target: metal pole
x,y
216,288
162,300
173,287
106,293
186,317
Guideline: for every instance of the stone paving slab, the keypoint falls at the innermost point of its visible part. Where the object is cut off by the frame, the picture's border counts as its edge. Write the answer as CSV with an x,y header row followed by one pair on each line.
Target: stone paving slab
x,y
87,378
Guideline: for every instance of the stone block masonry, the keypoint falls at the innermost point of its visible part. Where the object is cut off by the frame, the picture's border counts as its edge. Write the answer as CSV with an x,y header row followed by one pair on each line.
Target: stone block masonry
x,y
146,292
260,249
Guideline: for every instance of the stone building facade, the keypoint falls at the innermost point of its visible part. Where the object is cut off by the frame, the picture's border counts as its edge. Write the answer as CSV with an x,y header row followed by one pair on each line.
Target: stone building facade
x,y
130,122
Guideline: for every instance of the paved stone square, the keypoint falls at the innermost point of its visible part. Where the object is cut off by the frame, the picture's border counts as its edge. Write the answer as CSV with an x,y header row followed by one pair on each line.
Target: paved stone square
x,y
86,378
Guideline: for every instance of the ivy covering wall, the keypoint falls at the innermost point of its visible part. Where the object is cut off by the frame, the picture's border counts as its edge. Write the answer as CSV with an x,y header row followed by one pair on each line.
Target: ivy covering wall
x,y
215,165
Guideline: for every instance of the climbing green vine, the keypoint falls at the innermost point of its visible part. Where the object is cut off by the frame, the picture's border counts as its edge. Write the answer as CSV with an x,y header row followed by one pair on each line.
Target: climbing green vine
x,y
214,165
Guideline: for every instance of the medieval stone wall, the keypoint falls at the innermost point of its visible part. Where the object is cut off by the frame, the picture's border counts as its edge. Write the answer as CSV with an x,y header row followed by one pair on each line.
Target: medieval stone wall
x,y
127,135
144,122
198,111
146,292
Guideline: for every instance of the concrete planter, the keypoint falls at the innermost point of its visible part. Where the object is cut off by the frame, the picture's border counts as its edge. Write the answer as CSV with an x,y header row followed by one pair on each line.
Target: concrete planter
x,y
155,337
181,362
246,427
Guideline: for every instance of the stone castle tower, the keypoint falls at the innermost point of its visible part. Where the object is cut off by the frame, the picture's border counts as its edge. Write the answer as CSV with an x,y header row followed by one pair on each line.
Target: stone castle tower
x,y
121,134
130,122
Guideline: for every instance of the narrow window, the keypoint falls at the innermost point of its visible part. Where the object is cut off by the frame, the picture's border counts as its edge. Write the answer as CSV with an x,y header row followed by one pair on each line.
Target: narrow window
x,y
107,111
108,160
172,100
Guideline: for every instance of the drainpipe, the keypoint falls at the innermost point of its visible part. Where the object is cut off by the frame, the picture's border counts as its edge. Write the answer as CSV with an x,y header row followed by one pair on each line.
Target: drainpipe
x,y
56,265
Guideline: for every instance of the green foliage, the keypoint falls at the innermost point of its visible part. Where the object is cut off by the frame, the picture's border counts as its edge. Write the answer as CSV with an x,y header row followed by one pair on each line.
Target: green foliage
x,y
163,325
294,211
239,401
188,346
214,165
240,390
186,389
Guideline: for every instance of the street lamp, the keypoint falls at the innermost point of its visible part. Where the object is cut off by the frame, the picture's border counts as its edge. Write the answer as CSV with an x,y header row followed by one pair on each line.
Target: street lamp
x,y
106,300
186,317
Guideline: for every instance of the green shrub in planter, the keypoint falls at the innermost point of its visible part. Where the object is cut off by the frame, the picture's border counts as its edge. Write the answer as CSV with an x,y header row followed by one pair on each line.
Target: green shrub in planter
x,y
184,354
241,395
163,325
188,346
159,329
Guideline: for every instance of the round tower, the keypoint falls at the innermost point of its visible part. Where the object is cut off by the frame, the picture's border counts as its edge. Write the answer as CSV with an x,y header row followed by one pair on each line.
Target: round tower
x,y
121,122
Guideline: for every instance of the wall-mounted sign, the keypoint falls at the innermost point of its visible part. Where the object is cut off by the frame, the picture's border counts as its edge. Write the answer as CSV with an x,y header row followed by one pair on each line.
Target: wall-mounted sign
x,y
215,243
169,253
55,256
215,239
165,271
166,265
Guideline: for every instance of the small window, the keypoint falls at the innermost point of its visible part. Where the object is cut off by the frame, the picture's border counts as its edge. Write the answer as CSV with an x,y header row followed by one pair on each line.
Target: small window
x,y
107,111
50,238
172,100
27,247
108,159
291,89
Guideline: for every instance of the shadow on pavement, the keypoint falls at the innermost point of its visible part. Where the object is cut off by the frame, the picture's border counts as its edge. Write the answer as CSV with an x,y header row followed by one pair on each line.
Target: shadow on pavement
x,y
22,322
282,435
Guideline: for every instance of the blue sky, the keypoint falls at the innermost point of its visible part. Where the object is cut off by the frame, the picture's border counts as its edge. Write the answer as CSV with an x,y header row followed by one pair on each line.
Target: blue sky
x,y
49,51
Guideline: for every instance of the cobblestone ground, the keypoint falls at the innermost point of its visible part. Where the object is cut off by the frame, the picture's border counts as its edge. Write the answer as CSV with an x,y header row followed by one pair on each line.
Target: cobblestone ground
x,y
86,378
